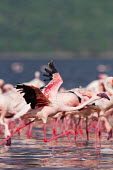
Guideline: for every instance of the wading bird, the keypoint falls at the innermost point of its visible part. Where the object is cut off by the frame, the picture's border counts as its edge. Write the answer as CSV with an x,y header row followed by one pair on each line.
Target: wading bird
x,y
46,103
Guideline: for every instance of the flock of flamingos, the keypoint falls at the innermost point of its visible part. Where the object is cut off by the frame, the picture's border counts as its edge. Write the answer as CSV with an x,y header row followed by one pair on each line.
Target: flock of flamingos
x,y
77,111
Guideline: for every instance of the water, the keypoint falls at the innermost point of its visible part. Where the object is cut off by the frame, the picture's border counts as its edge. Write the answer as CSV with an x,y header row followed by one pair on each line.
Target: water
x,y
75,73
33,153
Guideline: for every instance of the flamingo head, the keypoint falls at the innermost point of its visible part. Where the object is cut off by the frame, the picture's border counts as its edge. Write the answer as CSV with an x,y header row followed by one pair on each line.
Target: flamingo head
x,y
103,95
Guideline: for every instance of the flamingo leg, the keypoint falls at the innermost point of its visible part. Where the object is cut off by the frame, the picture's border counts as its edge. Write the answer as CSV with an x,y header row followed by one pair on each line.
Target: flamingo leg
x,y
75,128
108,127
78,124
87,132
81,126
30,126
18,129
55,137
67,124
98,130
54,131
7,132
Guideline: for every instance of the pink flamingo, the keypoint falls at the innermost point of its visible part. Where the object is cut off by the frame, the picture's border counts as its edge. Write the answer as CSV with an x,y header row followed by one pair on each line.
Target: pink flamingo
x,y
9,107
102,85
45,103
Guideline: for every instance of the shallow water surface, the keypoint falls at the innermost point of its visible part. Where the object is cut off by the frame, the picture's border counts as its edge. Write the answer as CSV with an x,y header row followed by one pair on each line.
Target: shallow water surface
x,y
34,153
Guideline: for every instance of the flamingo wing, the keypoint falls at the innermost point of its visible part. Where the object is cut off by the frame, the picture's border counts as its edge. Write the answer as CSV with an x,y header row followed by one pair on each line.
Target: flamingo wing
x,y
33,95
51,90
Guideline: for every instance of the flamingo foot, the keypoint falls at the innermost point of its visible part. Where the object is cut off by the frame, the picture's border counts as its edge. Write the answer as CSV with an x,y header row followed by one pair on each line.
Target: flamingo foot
x,y
55,137
9,137
29,135
54,132
109,135
18,133
8,143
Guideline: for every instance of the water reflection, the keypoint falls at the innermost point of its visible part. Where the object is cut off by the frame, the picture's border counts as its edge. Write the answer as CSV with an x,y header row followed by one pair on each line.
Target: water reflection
x,y
32,153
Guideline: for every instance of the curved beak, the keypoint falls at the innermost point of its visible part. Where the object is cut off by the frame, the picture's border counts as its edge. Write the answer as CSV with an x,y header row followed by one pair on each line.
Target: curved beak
x,y
103,95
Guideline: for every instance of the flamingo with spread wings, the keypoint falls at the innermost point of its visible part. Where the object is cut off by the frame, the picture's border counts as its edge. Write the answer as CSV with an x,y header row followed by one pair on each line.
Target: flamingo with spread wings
x,y
45,103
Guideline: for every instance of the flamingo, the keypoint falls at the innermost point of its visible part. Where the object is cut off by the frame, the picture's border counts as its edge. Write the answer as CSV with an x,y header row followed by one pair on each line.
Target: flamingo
x,y
9,107
104,84
45,103
108,84
92,112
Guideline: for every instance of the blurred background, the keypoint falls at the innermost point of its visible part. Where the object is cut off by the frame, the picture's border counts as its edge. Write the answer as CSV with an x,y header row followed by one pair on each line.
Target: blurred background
x,y
32,32
56,28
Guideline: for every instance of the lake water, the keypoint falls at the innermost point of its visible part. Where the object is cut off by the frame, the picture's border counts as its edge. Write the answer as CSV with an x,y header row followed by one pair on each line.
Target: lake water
x,y
33,153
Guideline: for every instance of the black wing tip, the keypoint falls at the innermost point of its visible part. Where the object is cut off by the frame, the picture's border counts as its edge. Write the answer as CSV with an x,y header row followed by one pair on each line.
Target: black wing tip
x,y
50,63
29,94
52,67
41,88
19,86
52,70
